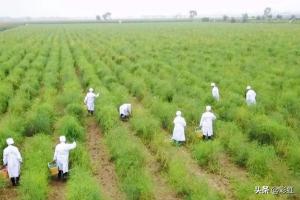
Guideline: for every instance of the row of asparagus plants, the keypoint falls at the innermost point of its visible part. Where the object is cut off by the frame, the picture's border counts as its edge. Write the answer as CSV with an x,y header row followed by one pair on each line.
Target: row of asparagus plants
x,y
127,155
72,125
12,81
14,124
148,129
39,127
13,52
208,154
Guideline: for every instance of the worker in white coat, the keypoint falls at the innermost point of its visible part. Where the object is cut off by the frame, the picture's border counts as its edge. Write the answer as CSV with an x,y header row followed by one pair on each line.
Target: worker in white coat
x,y
61,156
125,111
12,160
89,100
178,131
206,123
250,96
215,91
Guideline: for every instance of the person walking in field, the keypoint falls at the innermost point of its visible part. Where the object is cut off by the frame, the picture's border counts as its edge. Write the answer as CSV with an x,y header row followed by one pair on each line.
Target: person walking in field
x,y
215,91
12,160
61,157
89,100
206,123
250,96
125,111
178,131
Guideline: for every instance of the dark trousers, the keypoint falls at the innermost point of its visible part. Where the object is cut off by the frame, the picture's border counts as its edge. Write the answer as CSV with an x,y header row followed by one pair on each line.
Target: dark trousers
x,y
15,180
62,176
207,137
91,112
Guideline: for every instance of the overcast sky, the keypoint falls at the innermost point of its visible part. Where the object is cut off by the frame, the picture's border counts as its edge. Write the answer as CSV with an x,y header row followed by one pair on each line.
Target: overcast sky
x,y
137,8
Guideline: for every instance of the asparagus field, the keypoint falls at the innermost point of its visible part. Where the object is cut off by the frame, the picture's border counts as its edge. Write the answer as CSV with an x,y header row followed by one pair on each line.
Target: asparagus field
x,y
46,70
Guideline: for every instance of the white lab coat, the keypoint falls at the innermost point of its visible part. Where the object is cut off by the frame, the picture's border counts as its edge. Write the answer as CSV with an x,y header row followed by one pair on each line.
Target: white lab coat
x,y
12,158
206,123
178,131
215,93
89,100
125,109
250,97
61,155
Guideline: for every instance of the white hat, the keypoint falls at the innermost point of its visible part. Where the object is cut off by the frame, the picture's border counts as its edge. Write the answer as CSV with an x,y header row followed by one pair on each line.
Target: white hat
x,y
91,89
62,138
213,84
9,141
248,87
208,108
178,113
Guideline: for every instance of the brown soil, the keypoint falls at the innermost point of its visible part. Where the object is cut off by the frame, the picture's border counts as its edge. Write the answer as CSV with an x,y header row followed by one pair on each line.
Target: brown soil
x,y
162,190
218,181
57,190
103,168
8,193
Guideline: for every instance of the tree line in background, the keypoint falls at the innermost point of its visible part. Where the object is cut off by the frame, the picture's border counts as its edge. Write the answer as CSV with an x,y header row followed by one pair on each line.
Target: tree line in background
x,y
267,16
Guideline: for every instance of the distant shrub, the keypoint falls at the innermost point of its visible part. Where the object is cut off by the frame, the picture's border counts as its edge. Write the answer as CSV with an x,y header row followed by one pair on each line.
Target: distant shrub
x,y
71,128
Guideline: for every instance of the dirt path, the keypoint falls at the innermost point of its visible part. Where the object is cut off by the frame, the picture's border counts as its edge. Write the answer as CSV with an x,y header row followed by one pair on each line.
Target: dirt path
x,y
8,193
57,190
162,190
103,168
218,181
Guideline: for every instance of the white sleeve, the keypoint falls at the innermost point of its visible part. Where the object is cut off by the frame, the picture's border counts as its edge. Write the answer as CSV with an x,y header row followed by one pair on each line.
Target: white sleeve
x,y
4,157
71,146
201,120
85,99
19,155
55,154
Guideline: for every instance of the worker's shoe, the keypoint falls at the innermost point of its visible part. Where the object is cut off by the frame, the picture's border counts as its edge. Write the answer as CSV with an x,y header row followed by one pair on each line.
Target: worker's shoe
x,y
65,176
18,180
13,181
60,174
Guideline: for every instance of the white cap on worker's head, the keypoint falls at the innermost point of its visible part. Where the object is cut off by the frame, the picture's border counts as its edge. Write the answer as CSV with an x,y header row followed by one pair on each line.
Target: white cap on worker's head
x,y
91,89
248,87
9,141
213,84
178,113
62,138
208,108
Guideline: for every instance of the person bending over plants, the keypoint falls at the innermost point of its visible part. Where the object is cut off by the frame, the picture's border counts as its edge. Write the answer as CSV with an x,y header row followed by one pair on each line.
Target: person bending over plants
x,y
125,111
